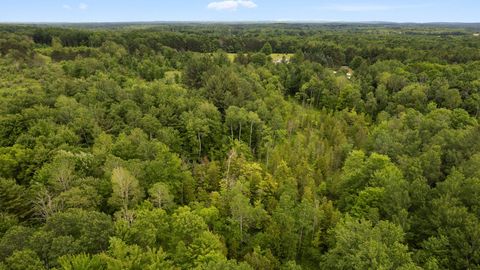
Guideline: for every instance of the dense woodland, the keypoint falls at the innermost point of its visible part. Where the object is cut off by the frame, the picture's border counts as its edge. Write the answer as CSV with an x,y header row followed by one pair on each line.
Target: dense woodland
x,y
185,146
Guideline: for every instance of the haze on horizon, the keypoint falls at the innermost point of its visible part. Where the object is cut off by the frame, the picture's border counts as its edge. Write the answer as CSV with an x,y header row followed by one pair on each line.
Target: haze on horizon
x,y
238,10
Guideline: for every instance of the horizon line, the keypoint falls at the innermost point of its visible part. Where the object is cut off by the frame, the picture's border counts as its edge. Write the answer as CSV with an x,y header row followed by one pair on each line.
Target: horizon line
x,y
239,21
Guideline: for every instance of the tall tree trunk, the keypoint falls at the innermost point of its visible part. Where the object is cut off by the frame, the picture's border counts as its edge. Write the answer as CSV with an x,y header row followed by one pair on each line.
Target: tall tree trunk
x,y
241,228
300,240
230,156
251,131
200,146
240,132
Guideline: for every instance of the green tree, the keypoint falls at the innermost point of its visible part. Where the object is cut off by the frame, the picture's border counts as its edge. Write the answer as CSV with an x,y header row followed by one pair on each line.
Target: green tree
x,y
261,259
149,228
412,96
361,245
373,186
267,49
14,199
160,195
123,256
126,191
193,74
15,239
24,260
91,230
81,262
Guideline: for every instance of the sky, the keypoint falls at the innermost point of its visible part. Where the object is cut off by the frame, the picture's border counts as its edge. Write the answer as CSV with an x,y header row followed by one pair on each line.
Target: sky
x,y
239,10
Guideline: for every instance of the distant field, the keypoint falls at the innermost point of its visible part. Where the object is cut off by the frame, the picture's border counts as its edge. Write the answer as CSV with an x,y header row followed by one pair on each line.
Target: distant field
x,y
279,56
275,56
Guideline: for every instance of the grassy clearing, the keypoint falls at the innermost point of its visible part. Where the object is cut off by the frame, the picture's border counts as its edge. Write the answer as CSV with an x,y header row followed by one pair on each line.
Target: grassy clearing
x,y
279,56
275,56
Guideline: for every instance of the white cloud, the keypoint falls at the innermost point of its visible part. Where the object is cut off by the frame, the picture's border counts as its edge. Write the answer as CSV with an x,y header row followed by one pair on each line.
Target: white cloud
x,y
232,5
83,6
67,7
367,8
247,4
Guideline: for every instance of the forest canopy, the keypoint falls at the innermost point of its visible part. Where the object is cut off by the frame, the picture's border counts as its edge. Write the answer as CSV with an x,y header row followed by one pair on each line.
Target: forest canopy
x,y
248,146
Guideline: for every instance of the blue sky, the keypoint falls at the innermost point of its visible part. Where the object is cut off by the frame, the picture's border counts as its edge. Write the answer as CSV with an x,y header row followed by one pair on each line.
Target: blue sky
x,y
239,10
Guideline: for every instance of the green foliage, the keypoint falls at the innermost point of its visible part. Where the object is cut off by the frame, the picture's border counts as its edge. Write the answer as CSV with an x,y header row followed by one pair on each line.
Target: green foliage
x,y
359,245
267,49
195,69
90,229
373,187
149,228
188,146
126,191
160,195
14,199
123,256
24,260
81,262
14,239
